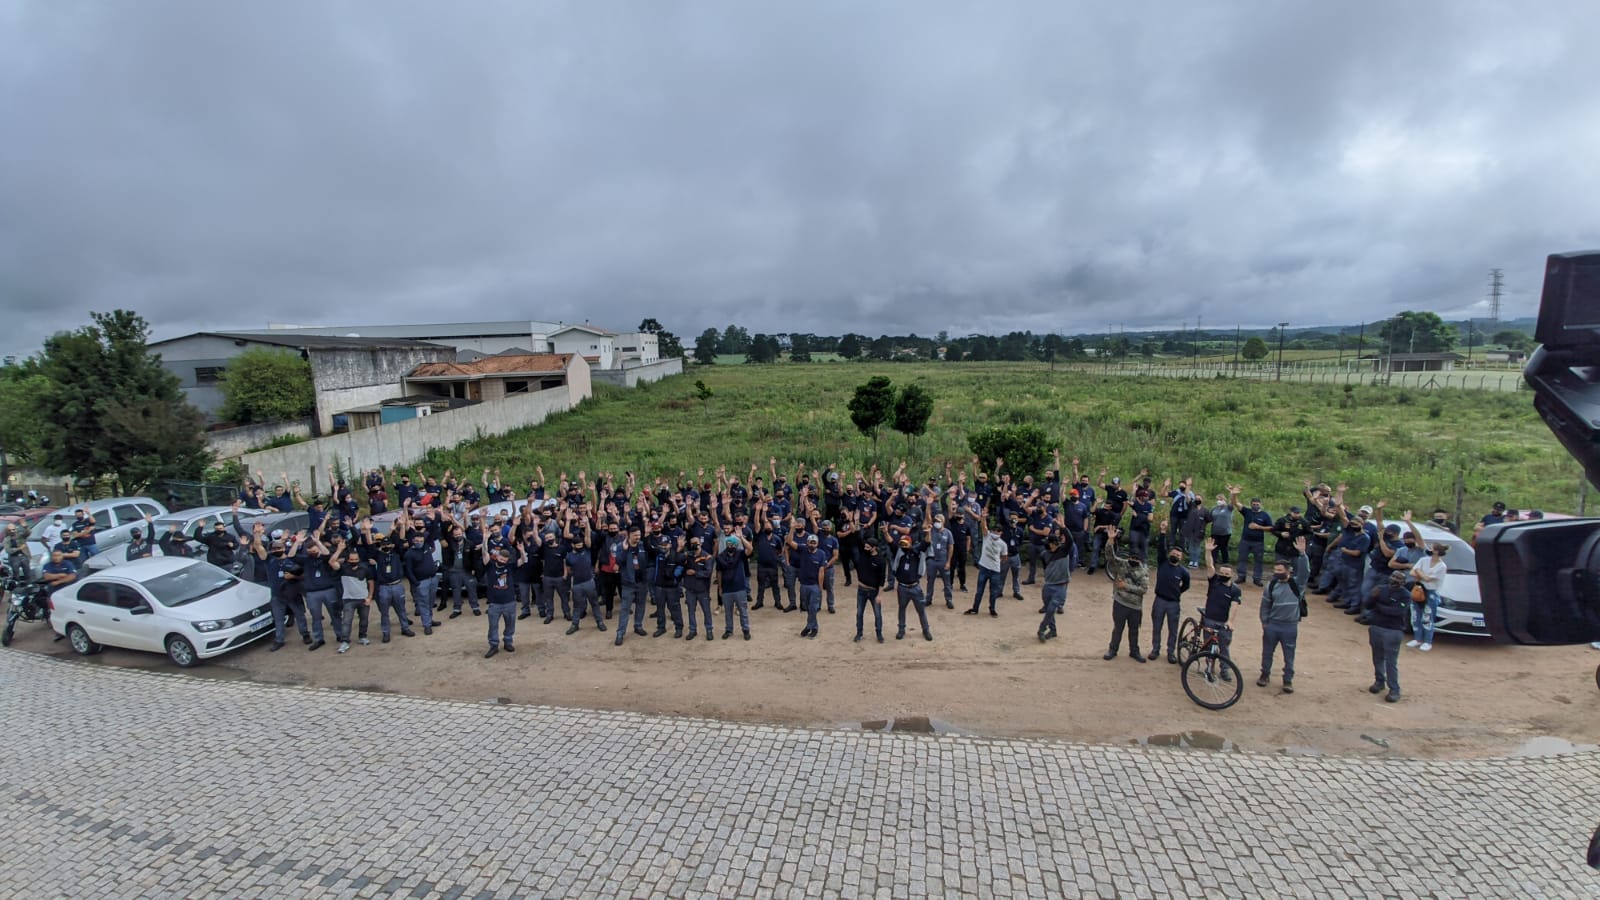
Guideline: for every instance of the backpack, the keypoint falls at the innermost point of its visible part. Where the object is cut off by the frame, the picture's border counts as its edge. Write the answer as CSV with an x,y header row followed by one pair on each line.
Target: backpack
x,y
1300,594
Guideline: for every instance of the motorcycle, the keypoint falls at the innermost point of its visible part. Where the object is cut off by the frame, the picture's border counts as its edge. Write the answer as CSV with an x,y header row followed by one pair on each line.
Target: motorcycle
x,y
28,602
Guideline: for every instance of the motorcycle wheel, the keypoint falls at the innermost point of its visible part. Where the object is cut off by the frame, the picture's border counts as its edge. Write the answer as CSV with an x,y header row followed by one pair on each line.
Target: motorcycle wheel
x,y
11,628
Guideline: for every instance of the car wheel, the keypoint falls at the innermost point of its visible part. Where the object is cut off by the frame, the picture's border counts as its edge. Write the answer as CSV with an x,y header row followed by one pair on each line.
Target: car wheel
x,y
181,652
79,639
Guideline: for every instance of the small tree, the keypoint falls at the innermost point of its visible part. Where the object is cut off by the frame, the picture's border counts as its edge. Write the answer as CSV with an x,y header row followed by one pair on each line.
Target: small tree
x,y
850,346
705,347
262,385
704,395
871,407
912,409
1025,448
799,348
1255,350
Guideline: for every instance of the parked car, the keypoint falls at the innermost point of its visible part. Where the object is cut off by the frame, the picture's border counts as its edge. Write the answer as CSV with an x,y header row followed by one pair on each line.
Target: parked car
x,y
189,522
1460,608
27,517
187,609
113,520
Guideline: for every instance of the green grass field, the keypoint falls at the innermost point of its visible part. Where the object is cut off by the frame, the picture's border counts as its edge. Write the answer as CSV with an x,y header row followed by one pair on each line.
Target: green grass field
x,y
1403,445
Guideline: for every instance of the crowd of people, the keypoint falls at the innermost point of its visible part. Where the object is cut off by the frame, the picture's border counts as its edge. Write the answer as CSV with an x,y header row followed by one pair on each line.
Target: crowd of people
x,y
618,551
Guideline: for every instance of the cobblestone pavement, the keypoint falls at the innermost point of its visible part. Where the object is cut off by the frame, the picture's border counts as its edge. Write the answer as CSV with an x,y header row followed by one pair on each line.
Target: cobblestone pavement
x,y
122,783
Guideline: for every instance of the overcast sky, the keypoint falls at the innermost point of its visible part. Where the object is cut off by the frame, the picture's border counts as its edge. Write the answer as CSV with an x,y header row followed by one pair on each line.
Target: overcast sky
x,y
806,166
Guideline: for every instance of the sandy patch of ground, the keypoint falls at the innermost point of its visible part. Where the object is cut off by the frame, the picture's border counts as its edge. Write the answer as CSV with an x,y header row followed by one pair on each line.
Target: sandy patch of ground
x,y
980,675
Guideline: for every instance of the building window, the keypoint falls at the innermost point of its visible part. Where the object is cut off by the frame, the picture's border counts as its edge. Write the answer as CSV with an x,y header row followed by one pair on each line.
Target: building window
x,y
208,374
630,349
516,387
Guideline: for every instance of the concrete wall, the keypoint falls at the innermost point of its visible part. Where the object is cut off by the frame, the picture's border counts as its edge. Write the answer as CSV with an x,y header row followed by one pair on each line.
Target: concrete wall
x,y
345,379
232,442
632,376
404,443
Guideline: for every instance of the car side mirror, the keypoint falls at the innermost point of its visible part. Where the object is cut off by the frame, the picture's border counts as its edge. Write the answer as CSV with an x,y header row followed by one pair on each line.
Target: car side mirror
x,y
142,609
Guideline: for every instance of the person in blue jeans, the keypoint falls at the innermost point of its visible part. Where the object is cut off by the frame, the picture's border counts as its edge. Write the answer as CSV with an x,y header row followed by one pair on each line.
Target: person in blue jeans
x,y
1429,574
992,561
1061,557
501,594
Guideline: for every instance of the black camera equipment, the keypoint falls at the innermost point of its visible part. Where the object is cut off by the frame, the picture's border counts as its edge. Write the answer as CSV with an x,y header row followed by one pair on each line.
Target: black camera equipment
x,y
1540,580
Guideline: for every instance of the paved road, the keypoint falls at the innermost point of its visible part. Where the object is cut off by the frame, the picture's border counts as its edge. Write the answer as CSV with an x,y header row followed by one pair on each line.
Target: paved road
x,y
121,783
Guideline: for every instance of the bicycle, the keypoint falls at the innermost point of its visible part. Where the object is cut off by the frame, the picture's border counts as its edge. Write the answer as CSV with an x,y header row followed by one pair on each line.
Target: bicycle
x,y
1209,678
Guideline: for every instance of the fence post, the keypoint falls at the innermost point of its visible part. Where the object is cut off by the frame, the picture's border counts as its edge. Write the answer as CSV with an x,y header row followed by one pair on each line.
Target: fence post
x,y
1461,495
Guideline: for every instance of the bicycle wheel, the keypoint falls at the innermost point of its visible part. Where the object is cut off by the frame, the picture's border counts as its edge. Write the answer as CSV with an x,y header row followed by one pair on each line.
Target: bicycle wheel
x,y
1212,680
1188,640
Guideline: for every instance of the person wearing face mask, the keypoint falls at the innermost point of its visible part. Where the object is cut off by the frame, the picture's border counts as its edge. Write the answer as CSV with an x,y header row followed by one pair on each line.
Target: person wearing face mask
x,y
1130,580
733,583
769,550
1172,580
633,572
871,570
1386,606
1253,539
697,572
355,593
1283,605
1428,573
1349,552
1222,592
1060,559
459,583
283,578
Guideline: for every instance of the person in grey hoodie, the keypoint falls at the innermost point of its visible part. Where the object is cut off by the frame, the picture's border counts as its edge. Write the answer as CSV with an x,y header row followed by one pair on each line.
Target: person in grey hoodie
x,y
1282,606
1221,528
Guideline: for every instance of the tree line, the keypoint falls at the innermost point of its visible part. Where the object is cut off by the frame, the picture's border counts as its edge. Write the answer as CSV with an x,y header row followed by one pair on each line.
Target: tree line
x,y
1407,332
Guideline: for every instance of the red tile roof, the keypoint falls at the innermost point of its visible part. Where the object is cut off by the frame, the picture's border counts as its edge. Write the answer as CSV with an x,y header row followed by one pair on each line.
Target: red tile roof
x,y
522,364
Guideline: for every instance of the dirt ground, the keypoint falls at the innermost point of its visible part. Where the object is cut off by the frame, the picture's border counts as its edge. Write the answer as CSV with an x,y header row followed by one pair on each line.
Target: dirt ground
x,y
980,675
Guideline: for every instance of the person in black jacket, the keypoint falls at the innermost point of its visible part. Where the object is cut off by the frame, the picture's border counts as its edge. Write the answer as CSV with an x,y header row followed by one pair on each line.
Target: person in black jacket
x,y
219,544
666,567
1387,605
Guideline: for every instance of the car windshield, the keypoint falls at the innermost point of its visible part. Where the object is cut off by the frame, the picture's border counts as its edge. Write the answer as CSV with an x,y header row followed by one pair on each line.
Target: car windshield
x,y
1460,560
188,584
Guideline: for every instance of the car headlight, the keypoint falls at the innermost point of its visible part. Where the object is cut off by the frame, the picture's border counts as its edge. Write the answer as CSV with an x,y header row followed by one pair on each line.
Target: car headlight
x,y
210,625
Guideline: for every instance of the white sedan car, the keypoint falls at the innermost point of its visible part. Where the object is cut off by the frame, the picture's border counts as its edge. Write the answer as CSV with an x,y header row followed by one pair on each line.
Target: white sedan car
x,y
186,608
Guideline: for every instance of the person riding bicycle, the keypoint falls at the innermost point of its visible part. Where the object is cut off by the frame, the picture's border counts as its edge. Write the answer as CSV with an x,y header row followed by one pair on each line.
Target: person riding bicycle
x,y
1222,592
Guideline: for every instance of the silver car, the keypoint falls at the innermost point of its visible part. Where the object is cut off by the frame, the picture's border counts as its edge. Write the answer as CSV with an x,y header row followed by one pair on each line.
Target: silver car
x,y
189,522
114,520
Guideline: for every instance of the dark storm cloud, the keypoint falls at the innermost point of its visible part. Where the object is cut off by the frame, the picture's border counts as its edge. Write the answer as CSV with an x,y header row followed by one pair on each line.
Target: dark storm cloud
x,y
809,167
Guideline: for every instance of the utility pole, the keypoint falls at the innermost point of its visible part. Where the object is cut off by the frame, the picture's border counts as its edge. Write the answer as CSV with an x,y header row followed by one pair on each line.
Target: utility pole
x,y
1194,352
1235,348
1361,344
1496,285
1281,327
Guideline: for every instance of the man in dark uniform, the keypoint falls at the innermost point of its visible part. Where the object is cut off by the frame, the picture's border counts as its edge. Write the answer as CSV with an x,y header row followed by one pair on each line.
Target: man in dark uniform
x,y
1222,592
1172,580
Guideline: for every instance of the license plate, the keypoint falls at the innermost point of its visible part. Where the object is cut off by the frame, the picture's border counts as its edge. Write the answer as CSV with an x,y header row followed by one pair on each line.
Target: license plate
x,y
1477,622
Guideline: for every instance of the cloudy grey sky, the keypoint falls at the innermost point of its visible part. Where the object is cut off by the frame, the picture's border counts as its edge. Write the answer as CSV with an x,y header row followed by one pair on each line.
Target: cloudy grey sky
x,y
806,166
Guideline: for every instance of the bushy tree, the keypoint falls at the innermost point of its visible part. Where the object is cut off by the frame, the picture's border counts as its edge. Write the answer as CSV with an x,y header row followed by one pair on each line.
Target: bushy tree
x,y
799,348
265,385
912,409
1025,448
871,407
1254,350
735,340
21,421
850,346
109,408
705,347
763,349
1417,332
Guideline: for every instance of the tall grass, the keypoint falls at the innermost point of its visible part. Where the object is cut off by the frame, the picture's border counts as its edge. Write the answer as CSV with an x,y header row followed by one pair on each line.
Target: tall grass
x,y
1266,437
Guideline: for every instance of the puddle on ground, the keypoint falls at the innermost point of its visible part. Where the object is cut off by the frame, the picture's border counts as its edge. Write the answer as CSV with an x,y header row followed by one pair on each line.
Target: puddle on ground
x,y
368,688
905,725
1187,740
1551,746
